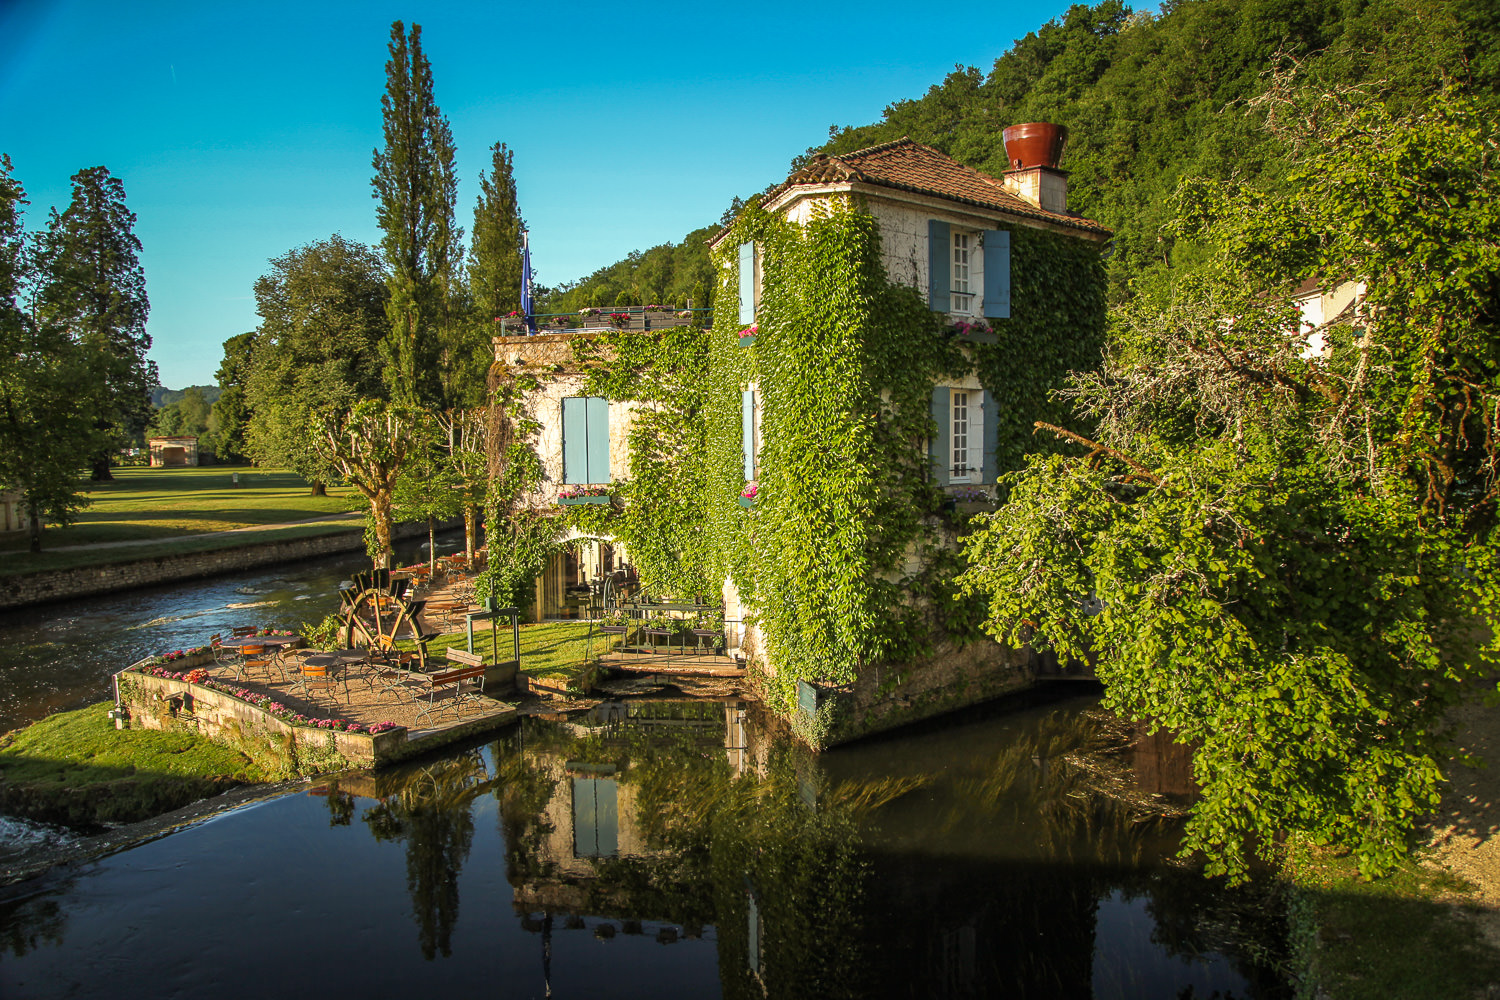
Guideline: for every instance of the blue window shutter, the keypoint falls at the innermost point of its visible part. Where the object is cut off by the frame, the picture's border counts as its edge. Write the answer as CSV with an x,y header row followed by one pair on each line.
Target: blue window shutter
x,y
989,469
941,460
997,274
939,280
747,283
575,440
598,439
747,431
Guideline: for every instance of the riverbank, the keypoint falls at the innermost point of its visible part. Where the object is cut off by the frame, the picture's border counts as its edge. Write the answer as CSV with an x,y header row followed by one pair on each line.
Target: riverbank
x,y
76,769
1432,929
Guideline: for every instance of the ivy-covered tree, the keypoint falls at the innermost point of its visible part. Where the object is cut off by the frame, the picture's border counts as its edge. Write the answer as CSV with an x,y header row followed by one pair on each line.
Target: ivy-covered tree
x,y
92,286
318,347
46,425
1283,554
415,188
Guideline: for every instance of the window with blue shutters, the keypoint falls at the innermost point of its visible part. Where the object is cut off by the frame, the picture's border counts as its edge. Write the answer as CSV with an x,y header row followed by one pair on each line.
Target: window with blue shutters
x,y
585,439
747,283
596,818
996,274
750,432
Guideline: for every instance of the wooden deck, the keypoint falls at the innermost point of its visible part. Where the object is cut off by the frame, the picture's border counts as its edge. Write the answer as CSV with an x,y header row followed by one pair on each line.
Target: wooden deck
x,y
673,664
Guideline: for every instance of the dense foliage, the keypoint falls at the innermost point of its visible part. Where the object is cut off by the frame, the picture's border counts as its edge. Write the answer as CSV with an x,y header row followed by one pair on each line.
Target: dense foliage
x,y
47,427
1144,97
90,283
416,186
1282,554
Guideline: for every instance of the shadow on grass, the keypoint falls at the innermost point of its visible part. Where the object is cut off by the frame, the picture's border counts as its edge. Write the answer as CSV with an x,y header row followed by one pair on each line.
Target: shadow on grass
x,y
75,769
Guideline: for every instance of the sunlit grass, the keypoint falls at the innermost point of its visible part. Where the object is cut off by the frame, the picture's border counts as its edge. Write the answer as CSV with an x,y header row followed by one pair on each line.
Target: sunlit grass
x,y
76,767
547,647
165,504
1408,935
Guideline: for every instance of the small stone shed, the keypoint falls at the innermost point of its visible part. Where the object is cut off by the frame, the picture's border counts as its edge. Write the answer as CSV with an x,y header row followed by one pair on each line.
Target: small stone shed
x,y
173,450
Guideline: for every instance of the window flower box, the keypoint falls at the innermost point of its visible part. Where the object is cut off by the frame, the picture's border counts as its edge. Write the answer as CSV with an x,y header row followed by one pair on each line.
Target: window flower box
x,y
584,499
614,629
748,334
747,502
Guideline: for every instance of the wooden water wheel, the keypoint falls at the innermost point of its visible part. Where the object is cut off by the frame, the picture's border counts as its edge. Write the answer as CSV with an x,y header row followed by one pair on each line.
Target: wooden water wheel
x,y
376,613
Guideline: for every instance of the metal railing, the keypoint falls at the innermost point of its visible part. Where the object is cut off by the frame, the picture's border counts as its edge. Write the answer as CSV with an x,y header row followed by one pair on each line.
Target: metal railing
x,y
594,320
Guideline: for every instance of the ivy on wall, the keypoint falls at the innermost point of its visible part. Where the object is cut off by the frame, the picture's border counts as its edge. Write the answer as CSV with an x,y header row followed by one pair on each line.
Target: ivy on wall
x,y
839,559
845,361
660,519
1056,326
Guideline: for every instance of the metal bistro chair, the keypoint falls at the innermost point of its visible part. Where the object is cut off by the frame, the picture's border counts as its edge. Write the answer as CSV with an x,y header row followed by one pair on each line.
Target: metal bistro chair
x,y
316,675
252,658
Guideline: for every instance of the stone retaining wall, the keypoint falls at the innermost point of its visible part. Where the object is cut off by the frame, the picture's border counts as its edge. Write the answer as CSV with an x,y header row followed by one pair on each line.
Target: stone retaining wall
x,y
163,703
86,581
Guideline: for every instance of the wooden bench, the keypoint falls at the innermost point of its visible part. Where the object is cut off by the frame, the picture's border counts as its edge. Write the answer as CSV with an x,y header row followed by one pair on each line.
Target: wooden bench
x,y
456,687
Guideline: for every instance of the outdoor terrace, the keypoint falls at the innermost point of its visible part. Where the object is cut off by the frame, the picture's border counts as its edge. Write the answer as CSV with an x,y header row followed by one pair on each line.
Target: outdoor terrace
x,y
602,320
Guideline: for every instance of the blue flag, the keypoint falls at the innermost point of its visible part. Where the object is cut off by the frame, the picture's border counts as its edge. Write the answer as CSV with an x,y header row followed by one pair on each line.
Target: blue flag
x,y
527,309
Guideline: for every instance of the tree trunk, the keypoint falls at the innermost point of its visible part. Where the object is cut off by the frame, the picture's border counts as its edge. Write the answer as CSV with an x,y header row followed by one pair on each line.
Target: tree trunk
x,y
380,515
431,547
319,490
471,528
101,473
36,533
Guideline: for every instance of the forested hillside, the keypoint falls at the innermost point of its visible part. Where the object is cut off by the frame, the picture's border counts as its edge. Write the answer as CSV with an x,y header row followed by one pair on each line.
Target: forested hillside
x,y
1148,99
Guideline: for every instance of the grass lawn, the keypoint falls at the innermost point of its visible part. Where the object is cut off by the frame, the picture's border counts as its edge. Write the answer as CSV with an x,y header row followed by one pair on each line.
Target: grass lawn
x,y
77,768
166,504
1404,936
546,648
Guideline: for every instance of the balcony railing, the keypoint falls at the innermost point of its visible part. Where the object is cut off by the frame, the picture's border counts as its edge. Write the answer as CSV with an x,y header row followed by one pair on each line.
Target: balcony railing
x,y
630,318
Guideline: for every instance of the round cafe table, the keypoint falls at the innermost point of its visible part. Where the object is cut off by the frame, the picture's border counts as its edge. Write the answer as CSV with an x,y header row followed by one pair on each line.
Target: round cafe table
x,y
268,641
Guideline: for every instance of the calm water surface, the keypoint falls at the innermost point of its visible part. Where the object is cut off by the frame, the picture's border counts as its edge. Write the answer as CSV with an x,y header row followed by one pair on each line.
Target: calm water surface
x,y
654,848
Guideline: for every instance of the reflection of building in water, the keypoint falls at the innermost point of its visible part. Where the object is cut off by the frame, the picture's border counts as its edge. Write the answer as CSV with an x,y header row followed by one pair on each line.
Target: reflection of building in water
x,y
597,847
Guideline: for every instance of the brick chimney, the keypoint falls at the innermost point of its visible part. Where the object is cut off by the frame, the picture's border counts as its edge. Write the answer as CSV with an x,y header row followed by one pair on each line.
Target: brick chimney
x,y
1034,151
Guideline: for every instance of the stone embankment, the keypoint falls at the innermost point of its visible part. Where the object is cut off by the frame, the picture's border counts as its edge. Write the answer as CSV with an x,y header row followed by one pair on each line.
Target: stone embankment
x,y
87,581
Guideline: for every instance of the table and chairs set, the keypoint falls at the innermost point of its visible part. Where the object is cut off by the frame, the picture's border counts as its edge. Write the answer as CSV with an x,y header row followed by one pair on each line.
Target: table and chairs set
x,y
383,667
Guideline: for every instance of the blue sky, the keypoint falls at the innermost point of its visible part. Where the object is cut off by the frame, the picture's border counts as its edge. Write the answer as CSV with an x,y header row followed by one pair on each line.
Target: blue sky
x,y
241,131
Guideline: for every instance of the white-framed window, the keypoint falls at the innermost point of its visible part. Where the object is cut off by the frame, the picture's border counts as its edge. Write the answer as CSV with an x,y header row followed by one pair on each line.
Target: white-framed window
x,y
962,298
959,433
965,436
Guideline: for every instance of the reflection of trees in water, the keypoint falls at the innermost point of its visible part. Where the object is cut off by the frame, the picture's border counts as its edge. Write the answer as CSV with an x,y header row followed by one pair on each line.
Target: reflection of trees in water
x,y
522,791
25,924
429,807
1071,774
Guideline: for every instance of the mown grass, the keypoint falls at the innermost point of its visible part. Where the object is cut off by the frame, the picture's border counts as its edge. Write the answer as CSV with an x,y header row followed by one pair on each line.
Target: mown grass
x,y
76,768
548,647
144,504
147,503
1409,935
16,563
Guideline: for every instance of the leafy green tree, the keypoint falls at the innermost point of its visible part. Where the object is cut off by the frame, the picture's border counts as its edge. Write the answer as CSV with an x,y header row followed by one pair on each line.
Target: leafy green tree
x,y
495,244
464,440
46,428
1284,555
317,348
229,418
93,287
371,448
415,187
186,416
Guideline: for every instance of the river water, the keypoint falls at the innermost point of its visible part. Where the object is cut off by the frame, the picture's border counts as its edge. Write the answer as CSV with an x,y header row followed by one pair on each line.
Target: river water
x,y
647,848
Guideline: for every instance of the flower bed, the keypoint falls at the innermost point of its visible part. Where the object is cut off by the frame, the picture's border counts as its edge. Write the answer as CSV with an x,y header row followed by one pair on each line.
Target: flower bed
x,y
264,702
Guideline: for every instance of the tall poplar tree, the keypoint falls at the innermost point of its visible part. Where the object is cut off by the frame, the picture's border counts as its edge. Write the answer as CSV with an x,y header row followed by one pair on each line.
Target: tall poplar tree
x,y
495,247
94,289
416,188
46,430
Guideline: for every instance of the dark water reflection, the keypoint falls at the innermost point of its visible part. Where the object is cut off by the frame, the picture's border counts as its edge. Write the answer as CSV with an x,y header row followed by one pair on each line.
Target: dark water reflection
x,y
665,849
60,656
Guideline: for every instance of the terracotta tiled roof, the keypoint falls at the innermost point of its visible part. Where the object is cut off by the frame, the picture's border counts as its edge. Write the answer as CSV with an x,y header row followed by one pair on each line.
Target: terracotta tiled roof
x,y
911,166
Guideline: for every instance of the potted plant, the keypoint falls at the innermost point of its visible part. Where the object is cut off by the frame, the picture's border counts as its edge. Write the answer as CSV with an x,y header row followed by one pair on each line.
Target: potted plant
x,y
614,623
583,494
749,493
619,320
708,629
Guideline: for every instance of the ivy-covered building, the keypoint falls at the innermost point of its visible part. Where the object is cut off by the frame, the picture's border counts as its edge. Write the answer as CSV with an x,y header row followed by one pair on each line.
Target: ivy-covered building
x,y
889,326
